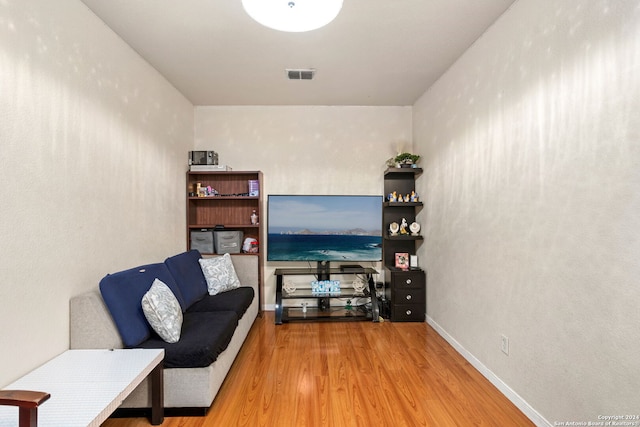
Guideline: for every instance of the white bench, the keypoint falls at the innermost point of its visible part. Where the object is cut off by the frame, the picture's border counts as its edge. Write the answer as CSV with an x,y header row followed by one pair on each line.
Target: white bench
x,y
86,386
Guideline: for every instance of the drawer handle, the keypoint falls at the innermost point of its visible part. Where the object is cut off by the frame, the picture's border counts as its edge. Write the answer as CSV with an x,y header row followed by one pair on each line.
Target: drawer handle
x,y
408,297
408,281
408,312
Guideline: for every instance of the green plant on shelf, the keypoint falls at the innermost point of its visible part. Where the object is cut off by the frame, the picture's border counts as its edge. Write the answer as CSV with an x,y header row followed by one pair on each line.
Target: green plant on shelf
x,y
406,159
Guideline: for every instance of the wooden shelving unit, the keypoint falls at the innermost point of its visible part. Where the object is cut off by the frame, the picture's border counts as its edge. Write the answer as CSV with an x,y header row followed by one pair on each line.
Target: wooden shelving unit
x,y
231,208
405,290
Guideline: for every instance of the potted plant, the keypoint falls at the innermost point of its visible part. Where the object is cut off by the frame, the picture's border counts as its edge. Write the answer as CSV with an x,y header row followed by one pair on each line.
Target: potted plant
x,y
406,160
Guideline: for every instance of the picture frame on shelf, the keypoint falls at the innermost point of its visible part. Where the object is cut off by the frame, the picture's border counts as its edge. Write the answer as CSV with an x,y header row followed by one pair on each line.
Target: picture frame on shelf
x,y
402,260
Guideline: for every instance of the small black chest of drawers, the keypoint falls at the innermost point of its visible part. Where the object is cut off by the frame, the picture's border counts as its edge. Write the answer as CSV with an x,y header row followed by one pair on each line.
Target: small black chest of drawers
x,y
405,291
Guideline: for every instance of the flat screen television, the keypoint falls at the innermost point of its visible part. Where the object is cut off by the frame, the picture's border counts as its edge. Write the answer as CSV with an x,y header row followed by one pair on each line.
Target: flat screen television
x,y
324,228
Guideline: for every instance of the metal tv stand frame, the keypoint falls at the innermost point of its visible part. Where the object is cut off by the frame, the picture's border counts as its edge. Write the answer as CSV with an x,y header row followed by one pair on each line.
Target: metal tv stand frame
x,y
323,311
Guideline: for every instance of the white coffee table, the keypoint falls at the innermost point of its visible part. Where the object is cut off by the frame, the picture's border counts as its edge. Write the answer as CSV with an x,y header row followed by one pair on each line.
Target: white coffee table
x,y
87,386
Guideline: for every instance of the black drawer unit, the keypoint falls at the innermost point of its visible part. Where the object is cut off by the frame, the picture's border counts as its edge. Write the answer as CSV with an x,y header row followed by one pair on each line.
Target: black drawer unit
x,y
406,292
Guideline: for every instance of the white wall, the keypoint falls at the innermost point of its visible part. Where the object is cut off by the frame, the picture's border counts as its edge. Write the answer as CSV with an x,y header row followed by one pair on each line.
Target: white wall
x,y
531,144
92,152
306,149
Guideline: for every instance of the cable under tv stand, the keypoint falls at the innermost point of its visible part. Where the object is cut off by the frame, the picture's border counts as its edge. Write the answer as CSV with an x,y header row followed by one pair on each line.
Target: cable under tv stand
x,y
321,308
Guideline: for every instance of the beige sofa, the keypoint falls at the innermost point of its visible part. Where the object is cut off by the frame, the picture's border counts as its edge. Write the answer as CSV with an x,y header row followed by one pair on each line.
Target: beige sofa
x,y
91,326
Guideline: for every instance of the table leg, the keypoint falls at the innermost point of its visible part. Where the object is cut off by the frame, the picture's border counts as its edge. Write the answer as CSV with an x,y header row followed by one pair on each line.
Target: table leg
x,y
27,402
157,395
28,417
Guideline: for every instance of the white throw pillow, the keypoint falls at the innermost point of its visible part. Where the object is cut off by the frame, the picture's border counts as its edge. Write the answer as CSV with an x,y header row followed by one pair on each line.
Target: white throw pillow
x,y
220,274
163,312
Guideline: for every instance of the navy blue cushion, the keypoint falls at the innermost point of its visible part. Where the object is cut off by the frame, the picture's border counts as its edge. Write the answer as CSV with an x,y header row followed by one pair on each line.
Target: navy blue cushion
x,y
188,275
122,293
204,336
236,300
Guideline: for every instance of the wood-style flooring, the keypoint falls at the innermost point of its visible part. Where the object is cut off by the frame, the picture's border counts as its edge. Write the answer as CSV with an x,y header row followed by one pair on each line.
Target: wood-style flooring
x,y
350,374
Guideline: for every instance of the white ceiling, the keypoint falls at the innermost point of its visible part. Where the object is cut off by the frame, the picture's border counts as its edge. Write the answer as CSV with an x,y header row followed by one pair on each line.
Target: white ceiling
x,y
376,52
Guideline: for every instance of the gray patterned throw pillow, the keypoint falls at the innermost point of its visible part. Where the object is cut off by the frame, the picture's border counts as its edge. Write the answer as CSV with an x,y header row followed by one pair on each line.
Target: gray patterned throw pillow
x,y
163,312
220,274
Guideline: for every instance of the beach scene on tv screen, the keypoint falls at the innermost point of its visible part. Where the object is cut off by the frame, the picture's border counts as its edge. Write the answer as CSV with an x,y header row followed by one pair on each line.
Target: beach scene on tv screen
x,y
317,228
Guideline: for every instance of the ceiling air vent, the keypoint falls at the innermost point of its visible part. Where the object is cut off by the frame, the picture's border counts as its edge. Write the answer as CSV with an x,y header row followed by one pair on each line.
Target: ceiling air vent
x,y
301,74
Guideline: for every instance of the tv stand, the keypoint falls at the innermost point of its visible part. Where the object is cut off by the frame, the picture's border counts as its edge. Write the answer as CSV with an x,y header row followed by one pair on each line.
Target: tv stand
x,y
323,270
321,309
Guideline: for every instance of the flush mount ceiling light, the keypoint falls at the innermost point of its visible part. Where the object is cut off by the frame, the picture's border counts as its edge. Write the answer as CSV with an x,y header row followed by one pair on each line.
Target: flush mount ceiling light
x,y
293,15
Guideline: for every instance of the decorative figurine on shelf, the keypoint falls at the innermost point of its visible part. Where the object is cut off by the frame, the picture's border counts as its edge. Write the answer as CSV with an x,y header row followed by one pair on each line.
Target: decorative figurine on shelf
x,y
393,228
407,197
358,286
392,197
415,228
254,217
289,287
414,197
403,226
207,191
391,163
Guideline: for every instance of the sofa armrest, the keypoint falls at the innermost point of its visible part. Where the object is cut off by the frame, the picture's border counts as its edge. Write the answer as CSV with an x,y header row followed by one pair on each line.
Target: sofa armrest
x,y
90,323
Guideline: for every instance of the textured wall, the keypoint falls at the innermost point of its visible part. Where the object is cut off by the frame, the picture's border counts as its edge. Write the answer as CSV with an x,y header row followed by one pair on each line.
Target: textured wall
x,y
306,150
92,151
532,156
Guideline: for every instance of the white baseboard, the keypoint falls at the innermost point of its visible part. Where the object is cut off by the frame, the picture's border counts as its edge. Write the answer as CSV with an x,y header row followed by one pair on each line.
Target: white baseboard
x,y
514,397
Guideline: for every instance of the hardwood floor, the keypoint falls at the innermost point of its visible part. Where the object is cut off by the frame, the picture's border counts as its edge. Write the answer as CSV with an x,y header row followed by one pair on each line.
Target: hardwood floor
x,y
350,374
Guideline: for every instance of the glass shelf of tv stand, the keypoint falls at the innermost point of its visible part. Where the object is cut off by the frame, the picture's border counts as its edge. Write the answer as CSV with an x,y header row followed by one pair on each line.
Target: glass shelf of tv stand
x,y
333,314
305,293
315,271
322,310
